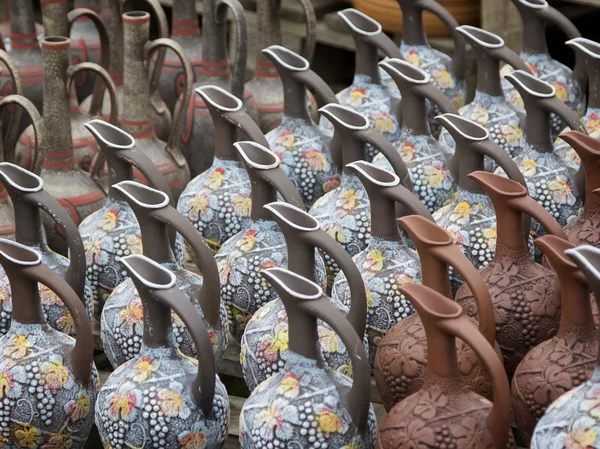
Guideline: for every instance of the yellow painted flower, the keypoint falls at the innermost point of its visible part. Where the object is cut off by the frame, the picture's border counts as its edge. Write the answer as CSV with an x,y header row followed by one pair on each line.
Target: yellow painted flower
x,y
331,183
593,125
194,440
18,348
247,242
435,175
458,101
109,220
197,207
286,140
580,438
328,340
533,68
55,375
561,191
48,297
93,251
275,344
224,267
352,445
480,115
561,90
347,201
572,157
242,204
171,402
134,243
413,58
443,78
408,152
356,96
528,167
243,355
215,179
374,261
121,405
65,323
28,436
316,160
335,231
515,98
461,213
6,383
288,387
80,408
132,313
143,369
511,132
328,421
403,279
58,441
506,69
383,123
369,297
456,235
490,234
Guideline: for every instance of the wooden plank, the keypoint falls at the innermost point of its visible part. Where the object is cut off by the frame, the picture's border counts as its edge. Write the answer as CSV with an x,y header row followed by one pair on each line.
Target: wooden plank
x,y
292,9
502,18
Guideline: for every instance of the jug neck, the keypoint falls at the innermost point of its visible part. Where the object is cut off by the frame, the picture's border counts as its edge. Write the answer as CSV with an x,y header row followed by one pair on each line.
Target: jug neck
x,y
469,162
22,24
366,60
301,256
414,113
185,19
509,229
269,33
225,137
214,40
593,69
534,30
488,73
294,98
575,303
352,150
156,234
113,21
158,324
441,350
413,31
383,221
28,224
538,131
26,302
118,170
435,273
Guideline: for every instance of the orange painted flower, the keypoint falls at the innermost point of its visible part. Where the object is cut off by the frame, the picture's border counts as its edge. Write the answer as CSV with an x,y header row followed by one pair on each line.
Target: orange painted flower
x,y
6,383
458,101
197,206
65,323
593,125
248,240
121,405
143,369
373,262
286,140
18,348
316,159
562,92
328,421
531,67
80,408
171,402
480,115
461,213
347,202
403,279
48,297
580,438
356,96
511,132
335,231
194,440
328,340
561,191
435,175
412,57
55,375
288,387
528,167
275,344
408,152
109,220
132,313
572,157
443,78
331,183
242,204
215,179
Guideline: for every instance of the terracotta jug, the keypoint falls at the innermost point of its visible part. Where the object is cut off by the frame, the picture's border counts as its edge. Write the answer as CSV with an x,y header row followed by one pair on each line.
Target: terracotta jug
x,y
469,217
83,146
569,84
387,262
259,245
28,197
344,212
301,144
489,107
267,86
63,179
426,158
367,94
218,201
548,179
113,231
445,411
121,320
526,295
42,366
265,341
198,139
565,361
86,40
401,359
161,395
316,406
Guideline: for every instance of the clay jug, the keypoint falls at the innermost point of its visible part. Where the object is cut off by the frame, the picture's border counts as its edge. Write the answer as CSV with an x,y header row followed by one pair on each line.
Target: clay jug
x,y
445,411
198,139
83,146
565,361
63,179
344,211
526,295
425,157
261,244
401,359
161,394
265,341
42,366
548,179
469,217
28,198
569,84
121,320
315,405
86,40
113,231
218,200
301,144
267,84
367,94
387,262
489,107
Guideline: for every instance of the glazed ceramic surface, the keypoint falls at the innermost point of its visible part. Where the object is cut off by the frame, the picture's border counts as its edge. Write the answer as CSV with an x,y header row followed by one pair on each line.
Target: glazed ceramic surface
x,y
565,153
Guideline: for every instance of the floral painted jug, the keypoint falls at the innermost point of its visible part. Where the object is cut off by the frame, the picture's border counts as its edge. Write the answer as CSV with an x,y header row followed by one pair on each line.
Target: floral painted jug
x,y
265,344
306,403
113,231
344,212
445,412
367,94
525,294
565,361
401,361
162,398
569,84
387,262
302,145
28,197
49,379
217,201
122,315
261,245
490,108
426,158
548,179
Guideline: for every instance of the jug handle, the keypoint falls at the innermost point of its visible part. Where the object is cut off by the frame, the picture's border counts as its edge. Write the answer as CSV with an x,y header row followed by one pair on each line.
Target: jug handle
x,y
437,97
316,85
498,419
510,57
529,206
102,76
13,130
286,188
36,121
402,195
357,315
242,120
210,292
241,43
570,117
177,125
82,354
310,39
490,149
385,44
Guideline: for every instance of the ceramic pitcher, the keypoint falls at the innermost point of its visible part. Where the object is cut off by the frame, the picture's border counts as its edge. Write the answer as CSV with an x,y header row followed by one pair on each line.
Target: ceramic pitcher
x,y
302,145
315,405
161,398
265,341
86,40
50,381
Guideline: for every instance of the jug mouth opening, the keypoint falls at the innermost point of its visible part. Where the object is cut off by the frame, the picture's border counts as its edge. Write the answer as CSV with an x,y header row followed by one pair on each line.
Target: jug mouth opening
x,y
297,286
293,216
55,43
136,17
360,22
346,116
287,58
587,256
463,126
536,4
426,231
256,155
20,179
406,70
531,84
506,186
481,36
148,272
375,174
110,135
19,253
588,46
142,195
220,98
431,302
